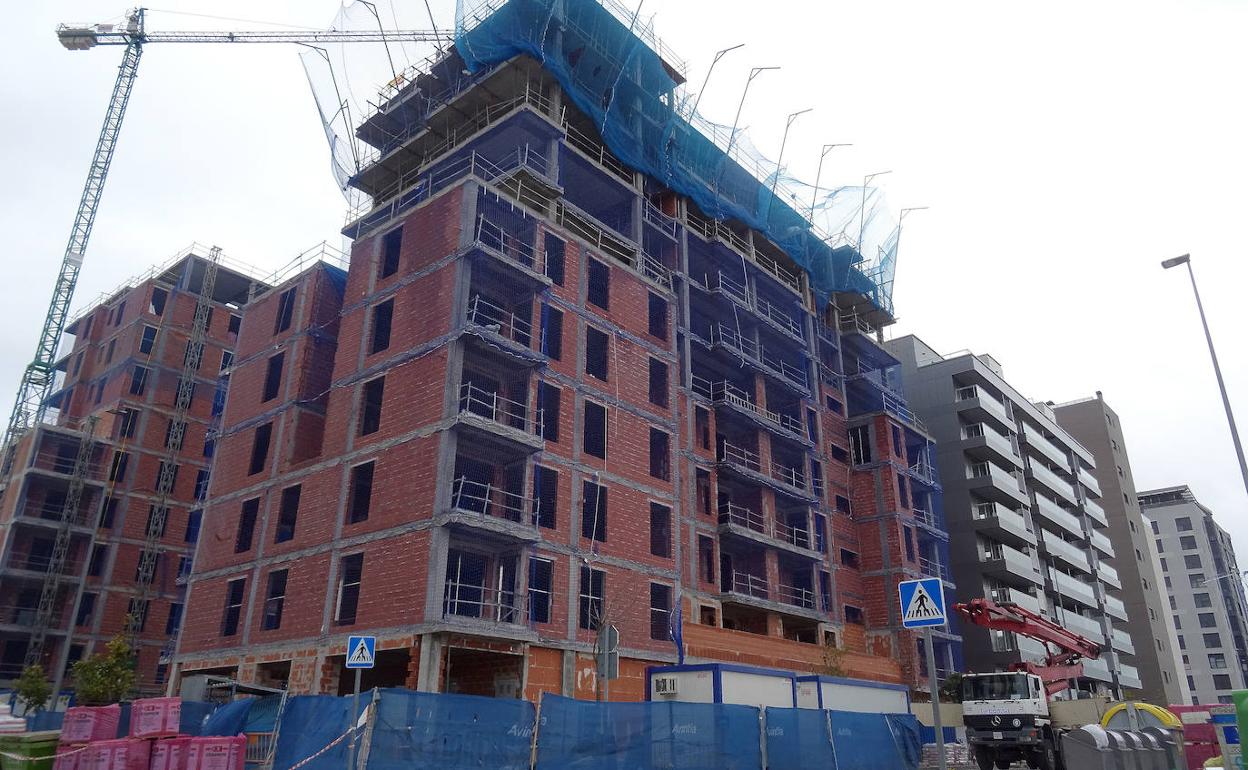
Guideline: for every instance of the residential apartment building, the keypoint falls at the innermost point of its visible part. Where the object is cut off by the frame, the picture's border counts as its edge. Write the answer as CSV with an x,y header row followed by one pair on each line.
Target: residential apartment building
x,y
1153,648
552,393
116,402
1206,592
1023,509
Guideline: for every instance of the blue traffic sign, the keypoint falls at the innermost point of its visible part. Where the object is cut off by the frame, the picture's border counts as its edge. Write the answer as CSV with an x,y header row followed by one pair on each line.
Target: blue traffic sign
x,y
361,651
922,603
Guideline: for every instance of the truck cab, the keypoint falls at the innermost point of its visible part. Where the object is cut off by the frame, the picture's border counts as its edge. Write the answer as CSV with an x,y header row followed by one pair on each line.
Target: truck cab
x,y
1007,720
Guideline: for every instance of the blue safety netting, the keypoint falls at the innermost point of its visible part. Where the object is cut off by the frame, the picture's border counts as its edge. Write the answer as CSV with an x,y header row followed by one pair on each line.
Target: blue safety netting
x,y
608,65
875,741
309,724
229,719
447,732
798,739
588,735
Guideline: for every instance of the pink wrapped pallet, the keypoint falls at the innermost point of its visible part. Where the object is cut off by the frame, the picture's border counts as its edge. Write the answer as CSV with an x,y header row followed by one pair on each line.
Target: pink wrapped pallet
x,y
69,756
216,753
155,717
97,756
170,753
84,724
117,754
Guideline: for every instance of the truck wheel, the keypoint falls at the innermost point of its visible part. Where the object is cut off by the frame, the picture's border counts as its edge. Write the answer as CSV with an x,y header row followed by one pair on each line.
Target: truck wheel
x,y
1047,757
1003,764
983,758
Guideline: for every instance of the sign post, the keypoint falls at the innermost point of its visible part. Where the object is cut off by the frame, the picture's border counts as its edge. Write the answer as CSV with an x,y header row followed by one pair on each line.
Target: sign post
x,y
361,654
923,606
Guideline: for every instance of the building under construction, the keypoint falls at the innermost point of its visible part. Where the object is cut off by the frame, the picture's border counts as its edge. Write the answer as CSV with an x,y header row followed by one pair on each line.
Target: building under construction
x,y
587,368
100,509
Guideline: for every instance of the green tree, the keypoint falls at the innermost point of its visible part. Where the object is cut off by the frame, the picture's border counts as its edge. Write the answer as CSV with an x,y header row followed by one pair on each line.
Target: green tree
x,y
106,677
33,688
951,688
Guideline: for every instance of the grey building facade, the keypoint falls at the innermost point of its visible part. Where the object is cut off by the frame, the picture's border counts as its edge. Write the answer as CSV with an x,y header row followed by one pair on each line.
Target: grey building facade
x,y
1206,592
1154,649
1022,505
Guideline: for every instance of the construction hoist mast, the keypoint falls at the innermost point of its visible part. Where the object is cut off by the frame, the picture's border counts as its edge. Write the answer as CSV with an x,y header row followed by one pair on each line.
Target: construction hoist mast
x,y
39,376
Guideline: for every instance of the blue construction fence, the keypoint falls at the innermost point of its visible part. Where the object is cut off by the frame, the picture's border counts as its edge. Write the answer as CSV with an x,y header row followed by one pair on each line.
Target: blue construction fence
x,y
400,729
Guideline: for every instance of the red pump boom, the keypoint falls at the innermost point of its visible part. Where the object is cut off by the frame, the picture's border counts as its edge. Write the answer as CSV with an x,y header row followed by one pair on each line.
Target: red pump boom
x,y
1065,648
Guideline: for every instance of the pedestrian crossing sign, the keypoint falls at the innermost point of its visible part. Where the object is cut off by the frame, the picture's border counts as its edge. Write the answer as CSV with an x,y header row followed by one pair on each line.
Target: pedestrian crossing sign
x,y
361,651
922,603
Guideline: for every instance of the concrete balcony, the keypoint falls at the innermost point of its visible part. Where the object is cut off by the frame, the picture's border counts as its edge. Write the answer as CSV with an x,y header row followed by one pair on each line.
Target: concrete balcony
x,y
1094,509
985,443
1054,514
1115,608
1045,448
1073,588
1122,641
1101,543
731,400
1089,481
1089,627
1129,676
498,423
1023,599
991,482
739,521
1003,524
1108,575
491,513
1097,669
1073,555
1051,481
1008,564
760,358
500,331
977,403
476,606
754,591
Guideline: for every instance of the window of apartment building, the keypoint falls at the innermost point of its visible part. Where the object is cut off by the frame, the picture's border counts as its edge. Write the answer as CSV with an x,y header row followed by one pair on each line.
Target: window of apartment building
x,y
660,611
821,529
552,332
703,483
1191,685
1221,682
1174,605
236,323
1161,547
706,559
592,595
1196,579
210,447
99,390
1178,625
812,425
1217,661
108,512
190,393
658,383
370,405
234,591
272,378
148,340
193,355
657,325
860,444
897,448
227,360
288,513
834,404
1164,566
193,522
138,380
546,492
595,432
360,496
548,403
599,290
157,305
1156,529
660,530
702,427
112,347
1207,620
910,552
1202,600
85,609
391,243
157,520
555,250
596,344
1169,585
660,455
1182,641
77,364
540,573
850,559
154,565
138,609
1187,542
285,311
118,313
1183,524
383,321
117,469
839,453
174,619
274,598
1192,561
1212,640
202,477
854,615
127,423
903,493
351,573
842,504
248,514
95,565
594,511
184,567
260,448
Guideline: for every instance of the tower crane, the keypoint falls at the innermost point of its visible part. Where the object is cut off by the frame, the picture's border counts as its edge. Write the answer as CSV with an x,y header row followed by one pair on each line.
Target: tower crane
x,y
40,374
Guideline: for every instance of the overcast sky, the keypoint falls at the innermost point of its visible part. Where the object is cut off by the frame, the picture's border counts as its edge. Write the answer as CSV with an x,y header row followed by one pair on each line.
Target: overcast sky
x,y
1064,148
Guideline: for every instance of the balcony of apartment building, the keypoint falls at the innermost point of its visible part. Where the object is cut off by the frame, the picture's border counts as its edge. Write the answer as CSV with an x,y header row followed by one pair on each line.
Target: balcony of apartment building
x,y
494,414
1108,574
716,242
1004,594
1051,513
498,321
1073,587
974,402
991,482
745,588
741,518
43,499
1101,544
19,610
982,441
1038,445
1003,523
1075,618
56,451
924,515
785,472
732,395
490,499
1087,480
1129,676
736,341
1009,565
739,288
1048,478
1094,509
1073,555
484,590
1120,639
505,237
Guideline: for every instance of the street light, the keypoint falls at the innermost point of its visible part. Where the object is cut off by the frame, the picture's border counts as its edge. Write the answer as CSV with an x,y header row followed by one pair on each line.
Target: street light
x,y
718,55
1186,259
814,195
788,123
862,210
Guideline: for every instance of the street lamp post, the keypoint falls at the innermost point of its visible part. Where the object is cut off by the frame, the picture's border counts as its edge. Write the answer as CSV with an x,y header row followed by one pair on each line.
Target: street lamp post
x,y
1186,259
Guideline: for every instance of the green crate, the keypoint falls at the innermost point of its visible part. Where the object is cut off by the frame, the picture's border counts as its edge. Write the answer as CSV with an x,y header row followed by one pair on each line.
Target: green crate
x,y
41,745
